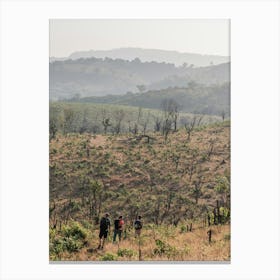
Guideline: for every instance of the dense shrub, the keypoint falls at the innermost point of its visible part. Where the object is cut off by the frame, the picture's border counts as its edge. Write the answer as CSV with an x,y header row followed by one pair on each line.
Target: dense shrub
x,y
125,253
109,257
70,239
75,231
163,248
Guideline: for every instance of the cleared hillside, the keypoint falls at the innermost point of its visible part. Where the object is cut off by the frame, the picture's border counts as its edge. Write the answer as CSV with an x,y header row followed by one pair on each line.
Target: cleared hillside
x,y
132,176
172,184
81,117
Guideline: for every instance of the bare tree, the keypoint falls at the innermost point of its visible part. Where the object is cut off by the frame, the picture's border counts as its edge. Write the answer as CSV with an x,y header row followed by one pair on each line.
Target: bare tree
x,y
170,116
145,123
85,122
191,165
139,117
190,124
106,123
119,116
170,110
170,195
52,129
196,190
69,120
157,126
166,129
91,191
135,128
199,120
105,120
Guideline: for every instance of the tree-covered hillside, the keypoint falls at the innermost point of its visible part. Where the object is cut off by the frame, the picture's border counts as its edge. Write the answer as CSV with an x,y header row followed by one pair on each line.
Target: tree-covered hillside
x,y
210,100
99,77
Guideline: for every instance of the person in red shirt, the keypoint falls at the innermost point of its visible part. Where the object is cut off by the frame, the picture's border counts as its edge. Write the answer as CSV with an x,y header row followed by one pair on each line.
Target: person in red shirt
x,y
119,225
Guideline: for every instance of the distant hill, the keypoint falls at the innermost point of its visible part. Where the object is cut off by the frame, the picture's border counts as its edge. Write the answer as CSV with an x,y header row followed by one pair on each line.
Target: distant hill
x,y
210,75
100,77
148,55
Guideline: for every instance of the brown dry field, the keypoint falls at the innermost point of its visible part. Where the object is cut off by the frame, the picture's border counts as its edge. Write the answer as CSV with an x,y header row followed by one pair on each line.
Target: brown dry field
x,y
187,246
125,166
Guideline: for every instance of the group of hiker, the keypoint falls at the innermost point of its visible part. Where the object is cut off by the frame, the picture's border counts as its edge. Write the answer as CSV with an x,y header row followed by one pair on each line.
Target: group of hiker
x,y
105,225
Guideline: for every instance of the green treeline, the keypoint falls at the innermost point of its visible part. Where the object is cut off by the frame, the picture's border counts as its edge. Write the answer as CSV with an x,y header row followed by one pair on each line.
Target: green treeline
x,y
209,100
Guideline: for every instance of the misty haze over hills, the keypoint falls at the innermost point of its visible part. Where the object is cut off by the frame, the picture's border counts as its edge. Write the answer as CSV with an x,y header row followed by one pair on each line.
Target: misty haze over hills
x,y
148,55
99,77
134,82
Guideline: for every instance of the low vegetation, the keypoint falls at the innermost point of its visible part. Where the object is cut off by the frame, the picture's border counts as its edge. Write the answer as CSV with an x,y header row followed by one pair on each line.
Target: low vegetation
x,y
157,243
179,183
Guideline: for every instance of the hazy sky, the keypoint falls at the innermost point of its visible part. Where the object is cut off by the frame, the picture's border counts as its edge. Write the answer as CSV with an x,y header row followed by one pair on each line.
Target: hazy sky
x,y
210,36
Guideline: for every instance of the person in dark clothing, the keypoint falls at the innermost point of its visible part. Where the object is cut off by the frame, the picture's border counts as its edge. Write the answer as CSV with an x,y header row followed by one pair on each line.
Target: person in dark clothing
x,y
138,226
104,229
118,228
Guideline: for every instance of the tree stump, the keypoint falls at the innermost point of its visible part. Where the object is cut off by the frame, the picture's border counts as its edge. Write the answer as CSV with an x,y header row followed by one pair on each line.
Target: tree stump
x,y
209,233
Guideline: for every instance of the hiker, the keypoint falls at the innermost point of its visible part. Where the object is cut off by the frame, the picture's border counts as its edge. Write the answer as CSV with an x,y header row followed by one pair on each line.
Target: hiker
x,y
104,229
138,226
118,224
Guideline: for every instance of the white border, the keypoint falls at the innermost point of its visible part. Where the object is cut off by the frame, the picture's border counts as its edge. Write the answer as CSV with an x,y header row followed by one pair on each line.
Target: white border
x,y
255,138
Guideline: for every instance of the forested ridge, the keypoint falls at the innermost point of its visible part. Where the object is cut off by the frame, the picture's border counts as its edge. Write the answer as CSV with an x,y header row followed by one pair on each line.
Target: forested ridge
x,y
99,77
200,99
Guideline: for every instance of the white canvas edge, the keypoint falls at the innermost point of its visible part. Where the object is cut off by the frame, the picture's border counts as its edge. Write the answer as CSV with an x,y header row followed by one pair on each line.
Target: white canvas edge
x,y
255,138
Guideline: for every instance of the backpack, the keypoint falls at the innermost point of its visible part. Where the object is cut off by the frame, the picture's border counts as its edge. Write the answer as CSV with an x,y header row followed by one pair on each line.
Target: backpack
x,y
121,223
116,224
104,224
137,224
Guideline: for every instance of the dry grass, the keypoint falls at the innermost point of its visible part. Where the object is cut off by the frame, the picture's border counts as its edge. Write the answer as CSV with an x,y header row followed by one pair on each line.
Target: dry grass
x,y
180,246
